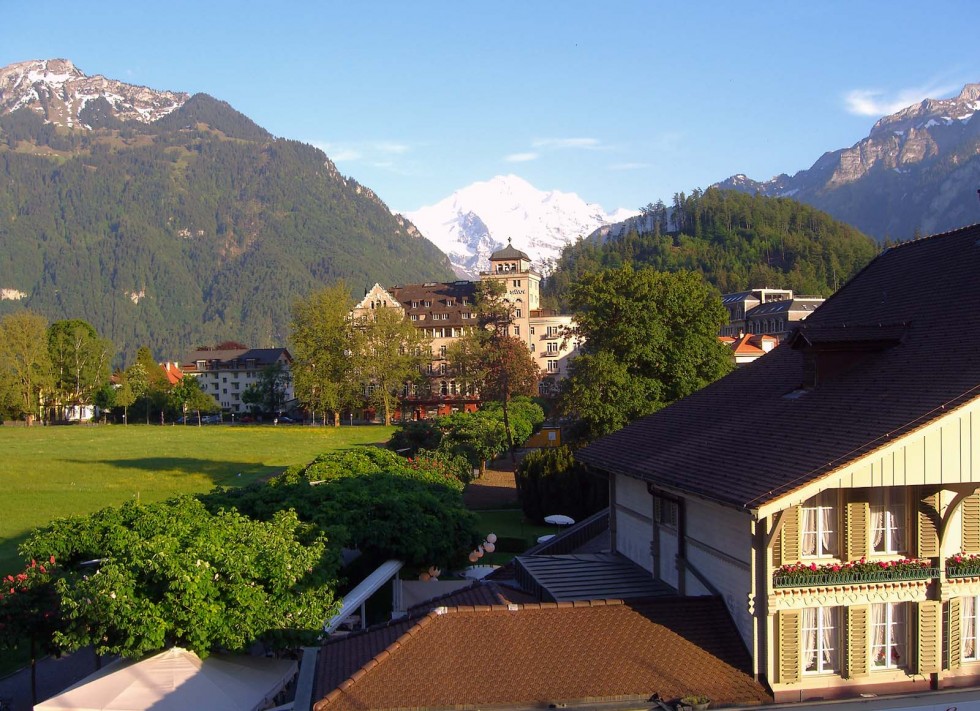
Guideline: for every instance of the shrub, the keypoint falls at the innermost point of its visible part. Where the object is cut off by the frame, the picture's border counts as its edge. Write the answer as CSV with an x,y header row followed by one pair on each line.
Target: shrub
x,y
549,481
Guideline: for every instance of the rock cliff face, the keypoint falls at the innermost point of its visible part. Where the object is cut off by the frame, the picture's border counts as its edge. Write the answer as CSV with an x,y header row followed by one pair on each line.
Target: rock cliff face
x,y
57,90
917,170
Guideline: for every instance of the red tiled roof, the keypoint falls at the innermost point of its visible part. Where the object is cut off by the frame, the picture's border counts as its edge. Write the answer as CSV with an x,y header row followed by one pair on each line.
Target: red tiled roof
x,y
536,655
929,287
743,346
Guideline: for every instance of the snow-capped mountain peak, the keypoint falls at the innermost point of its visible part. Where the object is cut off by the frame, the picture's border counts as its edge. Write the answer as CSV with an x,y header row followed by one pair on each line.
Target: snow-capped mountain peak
x,y
479,219
58,91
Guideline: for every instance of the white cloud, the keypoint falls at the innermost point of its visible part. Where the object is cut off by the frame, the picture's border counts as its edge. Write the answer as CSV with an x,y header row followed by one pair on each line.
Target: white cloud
x,y
559,143
377,153
878,102
520,157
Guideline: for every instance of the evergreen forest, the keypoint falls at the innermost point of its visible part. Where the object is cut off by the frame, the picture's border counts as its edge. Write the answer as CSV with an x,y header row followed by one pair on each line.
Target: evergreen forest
x,y
194,229
737,241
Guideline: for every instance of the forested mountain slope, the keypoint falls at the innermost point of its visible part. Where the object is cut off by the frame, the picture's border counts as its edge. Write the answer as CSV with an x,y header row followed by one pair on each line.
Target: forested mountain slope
x,y
194,228
737,241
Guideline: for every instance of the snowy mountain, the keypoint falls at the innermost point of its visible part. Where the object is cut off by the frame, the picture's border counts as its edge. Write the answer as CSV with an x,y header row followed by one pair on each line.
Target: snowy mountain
x,y
475,221
58,91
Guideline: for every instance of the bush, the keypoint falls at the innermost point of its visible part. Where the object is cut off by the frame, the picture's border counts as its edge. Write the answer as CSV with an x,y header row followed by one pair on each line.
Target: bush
x,y
414,436
549,481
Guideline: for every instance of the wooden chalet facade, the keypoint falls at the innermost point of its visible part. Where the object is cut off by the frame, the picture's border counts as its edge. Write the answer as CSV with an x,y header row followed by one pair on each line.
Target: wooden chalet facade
x,y
828,492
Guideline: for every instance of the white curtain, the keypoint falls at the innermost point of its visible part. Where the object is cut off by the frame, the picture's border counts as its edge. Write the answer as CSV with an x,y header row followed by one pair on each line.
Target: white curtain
x,y
968,605
827,516
898,525
809,638
809,532
898,634
829,638
877,526
878,628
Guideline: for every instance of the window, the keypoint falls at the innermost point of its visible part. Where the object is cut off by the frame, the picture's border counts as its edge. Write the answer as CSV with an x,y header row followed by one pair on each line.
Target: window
x,y
415,304
888,635
968,631
415,317
552,347
442,369
552,331
552,366
442,351
820,630
887,521
427,304
450,302
517,330
517,283
665,512
517,313
819,526
532,330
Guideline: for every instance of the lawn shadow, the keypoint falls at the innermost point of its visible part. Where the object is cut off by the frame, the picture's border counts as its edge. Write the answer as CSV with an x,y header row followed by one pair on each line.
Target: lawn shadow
x,y
221,472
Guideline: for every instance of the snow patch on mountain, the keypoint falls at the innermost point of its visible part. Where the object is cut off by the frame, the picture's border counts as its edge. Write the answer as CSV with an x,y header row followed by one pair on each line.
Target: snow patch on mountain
x,y
57,90
477,220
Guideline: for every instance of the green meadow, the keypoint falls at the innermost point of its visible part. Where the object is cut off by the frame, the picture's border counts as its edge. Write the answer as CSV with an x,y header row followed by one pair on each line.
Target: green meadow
x,y
51,472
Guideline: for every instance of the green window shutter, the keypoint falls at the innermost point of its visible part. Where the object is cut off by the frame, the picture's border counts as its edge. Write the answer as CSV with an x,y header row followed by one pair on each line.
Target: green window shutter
x,y
788,662
857,635
856,519
929,619
971,523
952,641
927,537
788,540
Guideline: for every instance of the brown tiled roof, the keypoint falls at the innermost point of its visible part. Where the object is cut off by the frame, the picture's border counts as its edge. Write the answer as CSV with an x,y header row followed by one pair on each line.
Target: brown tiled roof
x,y
784,437
536,655
340,657
481,592
438,294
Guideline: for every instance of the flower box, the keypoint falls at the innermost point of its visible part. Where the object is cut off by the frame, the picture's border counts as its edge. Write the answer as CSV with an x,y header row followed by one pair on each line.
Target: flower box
x,y
968,571
805,578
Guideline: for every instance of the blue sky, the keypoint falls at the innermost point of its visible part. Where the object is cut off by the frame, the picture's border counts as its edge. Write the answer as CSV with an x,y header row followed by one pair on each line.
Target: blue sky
x,y
620,102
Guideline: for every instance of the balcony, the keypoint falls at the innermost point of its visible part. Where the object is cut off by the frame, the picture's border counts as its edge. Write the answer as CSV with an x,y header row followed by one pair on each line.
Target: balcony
x,y
800,575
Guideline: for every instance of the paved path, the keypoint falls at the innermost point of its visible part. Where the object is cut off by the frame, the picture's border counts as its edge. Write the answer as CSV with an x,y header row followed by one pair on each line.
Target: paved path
x,y
53,677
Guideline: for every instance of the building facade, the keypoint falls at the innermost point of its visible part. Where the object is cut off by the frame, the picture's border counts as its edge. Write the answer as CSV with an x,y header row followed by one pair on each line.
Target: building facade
x,y
226,374
445,311
773,312
829,493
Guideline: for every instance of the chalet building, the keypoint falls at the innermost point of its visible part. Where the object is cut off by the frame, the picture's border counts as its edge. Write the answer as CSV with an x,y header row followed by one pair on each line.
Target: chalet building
x,y
766,311
828,492
226,374
446,310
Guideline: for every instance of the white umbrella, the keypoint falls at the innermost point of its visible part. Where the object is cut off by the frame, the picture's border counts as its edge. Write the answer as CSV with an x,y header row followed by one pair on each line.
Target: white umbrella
x,y
559,520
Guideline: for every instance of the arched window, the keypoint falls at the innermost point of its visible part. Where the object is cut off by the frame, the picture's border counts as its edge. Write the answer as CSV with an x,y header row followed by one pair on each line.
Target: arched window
x,y
443,388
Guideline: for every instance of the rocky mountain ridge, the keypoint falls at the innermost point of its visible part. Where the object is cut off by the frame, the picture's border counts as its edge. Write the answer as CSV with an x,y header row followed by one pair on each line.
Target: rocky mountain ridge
x,y
59,92
917,171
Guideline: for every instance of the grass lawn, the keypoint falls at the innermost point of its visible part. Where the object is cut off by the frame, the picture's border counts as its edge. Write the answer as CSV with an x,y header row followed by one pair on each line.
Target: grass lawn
x,y
509,523
50,472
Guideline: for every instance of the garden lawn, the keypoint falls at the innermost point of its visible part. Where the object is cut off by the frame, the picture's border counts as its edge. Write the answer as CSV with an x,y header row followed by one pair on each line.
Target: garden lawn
x,y
51,472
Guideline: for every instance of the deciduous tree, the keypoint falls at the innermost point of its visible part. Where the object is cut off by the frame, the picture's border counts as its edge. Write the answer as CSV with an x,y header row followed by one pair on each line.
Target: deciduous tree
x,y
80,361
172,573
25,364
322,344
391,352
648,338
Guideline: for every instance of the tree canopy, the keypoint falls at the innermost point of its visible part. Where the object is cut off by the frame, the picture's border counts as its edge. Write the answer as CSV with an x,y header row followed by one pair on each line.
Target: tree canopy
x,y
737,241
647,338
322,340
174,573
